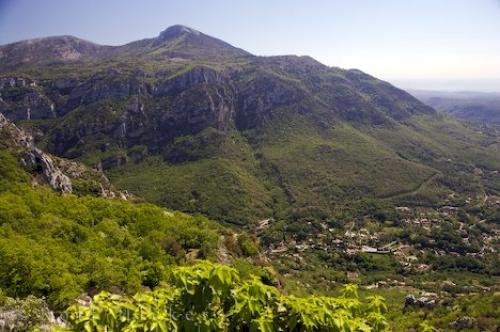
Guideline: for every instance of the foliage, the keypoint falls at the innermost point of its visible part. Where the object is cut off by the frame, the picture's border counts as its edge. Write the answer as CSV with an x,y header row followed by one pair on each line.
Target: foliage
x,y
480,311
210,297
57,246
247,245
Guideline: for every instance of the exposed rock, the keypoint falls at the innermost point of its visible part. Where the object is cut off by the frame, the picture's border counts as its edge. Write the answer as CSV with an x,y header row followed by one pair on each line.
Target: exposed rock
x,y
60,48
42,163
410,300
22,101
57,172
34,158
421,302
84,300
65,85
257,100
193,44
12,135
25,315
189,79
175,31
3,120
464,322
103,85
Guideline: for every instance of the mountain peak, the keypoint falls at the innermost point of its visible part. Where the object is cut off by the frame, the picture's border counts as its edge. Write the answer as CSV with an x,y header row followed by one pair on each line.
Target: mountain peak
x,y
177,30
195,44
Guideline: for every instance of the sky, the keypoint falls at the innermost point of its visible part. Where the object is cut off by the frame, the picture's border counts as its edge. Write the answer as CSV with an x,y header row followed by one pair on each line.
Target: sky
x,y
415,44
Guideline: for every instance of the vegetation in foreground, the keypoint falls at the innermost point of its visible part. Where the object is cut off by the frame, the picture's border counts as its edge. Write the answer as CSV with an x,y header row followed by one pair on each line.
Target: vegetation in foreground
x,y
212,297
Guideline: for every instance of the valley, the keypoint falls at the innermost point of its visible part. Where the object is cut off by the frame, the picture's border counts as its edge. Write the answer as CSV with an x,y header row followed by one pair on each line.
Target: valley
x,y
471,106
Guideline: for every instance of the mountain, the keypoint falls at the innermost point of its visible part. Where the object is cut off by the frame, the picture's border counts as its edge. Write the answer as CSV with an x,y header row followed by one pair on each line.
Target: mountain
x,y
47,50
190,122
323,176
174,42
478,107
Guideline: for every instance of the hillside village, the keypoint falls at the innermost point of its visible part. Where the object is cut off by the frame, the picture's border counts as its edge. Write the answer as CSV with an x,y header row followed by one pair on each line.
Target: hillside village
x,y
409,240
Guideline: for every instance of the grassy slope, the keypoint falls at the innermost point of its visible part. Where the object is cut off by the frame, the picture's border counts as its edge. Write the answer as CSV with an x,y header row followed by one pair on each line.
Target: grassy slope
x,y
440,138
228,184
293,169
344,163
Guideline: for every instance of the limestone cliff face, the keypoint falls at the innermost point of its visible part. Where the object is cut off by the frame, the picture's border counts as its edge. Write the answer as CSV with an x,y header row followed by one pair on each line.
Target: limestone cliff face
x,y
126,107
42,162
153,108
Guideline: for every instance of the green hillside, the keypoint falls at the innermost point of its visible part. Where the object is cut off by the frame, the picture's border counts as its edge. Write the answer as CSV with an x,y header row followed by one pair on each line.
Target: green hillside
x,y
238,137
61,246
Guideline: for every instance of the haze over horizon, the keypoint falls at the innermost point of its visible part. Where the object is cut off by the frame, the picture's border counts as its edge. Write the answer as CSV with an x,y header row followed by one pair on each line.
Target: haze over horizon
x,y
432,45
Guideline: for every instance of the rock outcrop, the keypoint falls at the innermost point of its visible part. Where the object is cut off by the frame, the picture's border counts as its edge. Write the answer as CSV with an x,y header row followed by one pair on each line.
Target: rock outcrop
x,y
421,302
462,323
11,135
41,162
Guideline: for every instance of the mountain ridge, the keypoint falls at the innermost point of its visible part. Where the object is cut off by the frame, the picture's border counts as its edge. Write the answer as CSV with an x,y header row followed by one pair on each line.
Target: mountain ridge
x,y
282,136
70,48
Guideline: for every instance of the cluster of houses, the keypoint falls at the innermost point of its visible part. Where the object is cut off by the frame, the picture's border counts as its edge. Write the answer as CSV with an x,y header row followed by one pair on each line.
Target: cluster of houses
x,y
353,241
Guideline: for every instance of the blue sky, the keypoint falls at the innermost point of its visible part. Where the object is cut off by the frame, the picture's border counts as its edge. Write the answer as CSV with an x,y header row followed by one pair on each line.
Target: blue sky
x,y
426,44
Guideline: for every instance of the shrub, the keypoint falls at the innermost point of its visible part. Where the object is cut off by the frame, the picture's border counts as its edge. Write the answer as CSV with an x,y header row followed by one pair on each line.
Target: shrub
x,y
210,297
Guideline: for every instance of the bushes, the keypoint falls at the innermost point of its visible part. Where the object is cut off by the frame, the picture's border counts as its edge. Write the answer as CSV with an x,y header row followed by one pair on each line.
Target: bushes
x,y
210,297
10,172
60,246
458,263
248,246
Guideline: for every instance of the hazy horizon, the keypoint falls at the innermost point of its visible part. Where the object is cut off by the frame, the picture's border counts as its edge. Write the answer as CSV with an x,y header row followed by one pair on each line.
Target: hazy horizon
x,y
448,45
